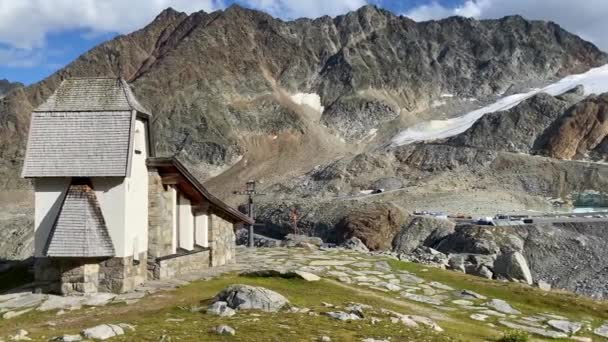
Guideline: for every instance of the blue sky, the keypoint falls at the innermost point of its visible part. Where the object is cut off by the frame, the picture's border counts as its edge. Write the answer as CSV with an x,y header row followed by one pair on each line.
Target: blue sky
x,y
38,37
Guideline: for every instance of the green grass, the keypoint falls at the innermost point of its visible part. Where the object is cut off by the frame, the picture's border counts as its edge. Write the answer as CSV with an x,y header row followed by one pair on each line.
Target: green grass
x,y
150,316
523,297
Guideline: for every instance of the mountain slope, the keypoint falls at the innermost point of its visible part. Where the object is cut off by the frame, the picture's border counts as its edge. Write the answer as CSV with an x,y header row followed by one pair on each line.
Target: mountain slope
x,y
222,84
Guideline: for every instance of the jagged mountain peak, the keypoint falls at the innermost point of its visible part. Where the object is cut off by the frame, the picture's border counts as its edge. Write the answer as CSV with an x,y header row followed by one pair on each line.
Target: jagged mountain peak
x,y
221,78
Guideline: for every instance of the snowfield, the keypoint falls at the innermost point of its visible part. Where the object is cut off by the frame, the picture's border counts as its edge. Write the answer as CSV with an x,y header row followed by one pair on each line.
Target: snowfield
x,y
595,81
311,100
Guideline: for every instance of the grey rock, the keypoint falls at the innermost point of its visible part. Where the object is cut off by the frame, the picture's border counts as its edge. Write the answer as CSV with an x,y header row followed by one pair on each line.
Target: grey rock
x,y
13,314
565,326
225,330
21,335
426,321
513,266
243,297
61,302
343,316
479,317
325,339
543,285
220,308
103,331
502,306
456,262
307,276
410,278
533,330
421,231
421,298
383,266
23,301
294,240
471,294
355,244
481,271
602,330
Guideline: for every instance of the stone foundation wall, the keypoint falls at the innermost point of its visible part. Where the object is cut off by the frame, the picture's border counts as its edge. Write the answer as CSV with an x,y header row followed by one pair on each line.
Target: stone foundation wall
x,y
89,275
222,241
175,266
120,275
160,217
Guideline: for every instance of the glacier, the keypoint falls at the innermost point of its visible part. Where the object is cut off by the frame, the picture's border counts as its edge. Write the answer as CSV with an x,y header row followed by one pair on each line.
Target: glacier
x,y
595,81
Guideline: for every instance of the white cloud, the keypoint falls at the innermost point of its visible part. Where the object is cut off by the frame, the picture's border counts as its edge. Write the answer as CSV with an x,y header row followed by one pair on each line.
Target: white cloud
x,y
24,24
585,18
292,9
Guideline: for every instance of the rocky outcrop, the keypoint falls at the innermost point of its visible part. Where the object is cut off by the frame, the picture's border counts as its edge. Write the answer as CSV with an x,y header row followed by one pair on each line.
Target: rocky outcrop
x,y
376,225
421,231
246,297
517,129
511,266
560,255
581,130
6,86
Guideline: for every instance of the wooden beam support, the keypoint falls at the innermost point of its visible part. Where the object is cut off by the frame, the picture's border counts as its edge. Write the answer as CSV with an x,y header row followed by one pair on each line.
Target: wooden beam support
x,y
171,179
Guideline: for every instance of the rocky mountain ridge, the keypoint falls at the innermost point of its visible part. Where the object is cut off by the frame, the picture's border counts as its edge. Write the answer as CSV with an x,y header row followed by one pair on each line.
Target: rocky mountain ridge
x,y
221,84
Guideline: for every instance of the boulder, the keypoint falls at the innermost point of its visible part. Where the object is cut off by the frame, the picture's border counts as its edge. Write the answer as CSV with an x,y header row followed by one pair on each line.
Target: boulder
x,y
480,271
421,231
220,308
307,276
224,330
355,244
295,240
375,224
242,238
568,327
427,256
469,239
244,297
513,266
456,262
502,306
103,331
543,285
343,316
602,330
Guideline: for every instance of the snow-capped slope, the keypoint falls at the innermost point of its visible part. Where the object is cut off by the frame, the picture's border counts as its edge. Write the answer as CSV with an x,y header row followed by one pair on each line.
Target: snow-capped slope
x,y
595,81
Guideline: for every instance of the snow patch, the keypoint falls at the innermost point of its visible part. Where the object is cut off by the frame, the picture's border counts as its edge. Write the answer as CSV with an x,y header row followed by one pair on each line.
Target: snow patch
x,y
438,103
447,95
595,81
312,100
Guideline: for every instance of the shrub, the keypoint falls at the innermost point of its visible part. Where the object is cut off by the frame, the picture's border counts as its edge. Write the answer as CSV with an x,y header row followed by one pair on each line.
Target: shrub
x,y
514,336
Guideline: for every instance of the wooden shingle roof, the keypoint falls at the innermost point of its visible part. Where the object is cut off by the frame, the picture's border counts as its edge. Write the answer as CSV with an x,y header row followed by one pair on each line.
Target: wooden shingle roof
x,y
92,94
83,130
194,190
80,229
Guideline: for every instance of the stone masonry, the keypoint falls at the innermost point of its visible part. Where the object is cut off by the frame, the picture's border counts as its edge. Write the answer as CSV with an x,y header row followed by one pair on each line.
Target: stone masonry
x,y
178,265
89,275
160,217
120,275
222,241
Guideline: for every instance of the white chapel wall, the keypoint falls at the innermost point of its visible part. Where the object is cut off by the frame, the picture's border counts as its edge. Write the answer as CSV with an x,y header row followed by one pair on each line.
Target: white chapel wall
x,y
48,195
136,205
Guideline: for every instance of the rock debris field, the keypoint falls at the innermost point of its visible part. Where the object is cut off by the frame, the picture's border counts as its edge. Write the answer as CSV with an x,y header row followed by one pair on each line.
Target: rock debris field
x,y
431,302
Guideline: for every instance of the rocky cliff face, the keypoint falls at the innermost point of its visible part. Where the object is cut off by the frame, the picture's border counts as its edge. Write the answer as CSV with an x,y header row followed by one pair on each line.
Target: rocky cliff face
x,y
6,86
221,83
